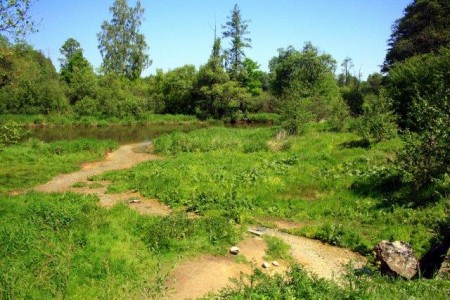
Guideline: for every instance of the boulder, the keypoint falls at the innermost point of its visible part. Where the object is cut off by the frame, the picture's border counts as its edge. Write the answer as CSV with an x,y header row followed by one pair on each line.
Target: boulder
x,y
234,250
265,265
396,258
275,263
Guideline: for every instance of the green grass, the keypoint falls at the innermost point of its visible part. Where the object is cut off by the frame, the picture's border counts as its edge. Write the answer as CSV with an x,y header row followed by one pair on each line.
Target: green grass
x,y
33,162
235,173
91,121
66,246
297,284
276,248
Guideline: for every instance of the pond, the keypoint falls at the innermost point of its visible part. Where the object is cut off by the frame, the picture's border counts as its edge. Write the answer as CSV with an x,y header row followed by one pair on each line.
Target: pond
x,y
121,134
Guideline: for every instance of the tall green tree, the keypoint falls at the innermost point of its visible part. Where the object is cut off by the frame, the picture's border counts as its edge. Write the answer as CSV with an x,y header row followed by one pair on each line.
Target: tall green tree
x,y
347,65
236,29
424,28
122,46
216,95
70,47
77,72
305,85
15,19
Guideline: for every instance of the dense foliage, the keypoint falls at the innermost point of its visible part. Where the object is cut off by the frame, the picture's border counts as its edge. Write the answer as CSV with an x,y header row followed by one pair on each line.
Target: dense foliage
x,y
423,29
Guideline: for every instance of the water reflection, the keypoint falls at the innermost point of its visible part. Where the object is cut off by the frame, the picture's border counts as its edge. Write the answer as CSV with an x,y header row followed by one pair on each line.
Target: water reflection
x,y
120,134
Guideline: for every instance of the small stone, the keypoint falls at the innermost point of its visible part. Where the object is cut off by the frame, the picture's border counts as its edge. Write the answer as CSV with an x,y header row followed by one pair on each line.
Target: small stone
x,y
258,231
265,265
275,263
134,201
234,250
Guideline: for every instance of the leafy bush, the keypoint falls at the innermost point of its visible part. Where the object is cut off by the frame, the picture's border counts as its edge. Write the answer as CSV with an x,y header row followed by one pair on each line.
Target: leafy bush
x,y
10,133
378,122
424,162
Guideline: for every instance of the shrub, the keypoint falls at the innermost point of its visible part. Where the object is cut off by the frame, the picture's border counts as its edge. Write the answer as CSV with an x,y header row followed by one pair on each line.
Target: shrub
x,y
378,120
10,133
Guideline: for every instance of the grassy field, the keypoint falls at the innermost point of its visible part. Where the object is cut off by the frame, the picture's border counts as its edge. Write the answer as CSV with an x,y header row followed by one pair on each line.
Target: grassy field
x,y
88,121
247,175
66,246
33,162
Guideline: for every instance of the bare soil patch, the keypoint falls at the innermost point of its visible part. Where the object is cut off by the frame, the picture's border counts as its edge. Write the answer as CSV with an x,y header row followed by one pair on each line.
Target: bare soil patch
x,y
194,278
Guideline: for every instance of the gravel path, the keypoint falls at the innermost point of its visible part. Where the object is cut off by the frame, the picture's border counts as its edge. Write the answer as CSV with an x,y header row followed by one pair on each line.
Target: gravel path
x,y
324,260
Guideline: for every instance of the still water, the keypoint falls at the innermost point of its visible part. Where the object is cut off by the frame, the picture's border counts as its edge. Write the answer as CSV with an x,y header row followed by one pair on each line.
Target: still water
x,y
120,134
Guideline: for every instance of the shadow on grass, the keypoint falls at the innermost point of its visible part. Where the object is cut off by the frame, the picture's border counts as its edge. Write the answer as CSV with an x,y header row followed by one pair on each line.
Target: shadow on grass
x,y
362,143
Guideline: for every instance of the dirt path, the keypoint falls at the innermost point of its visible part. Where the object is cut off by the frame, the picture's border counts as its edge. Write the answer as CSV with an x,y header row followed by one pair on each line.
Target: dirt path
x,y
324,260
123,158
194,278
202,275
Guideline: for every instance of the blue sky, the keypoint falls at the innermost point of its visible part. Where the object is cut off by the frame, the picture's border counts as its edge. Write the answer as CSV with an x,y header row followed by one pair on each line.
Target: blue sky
x,y
181,32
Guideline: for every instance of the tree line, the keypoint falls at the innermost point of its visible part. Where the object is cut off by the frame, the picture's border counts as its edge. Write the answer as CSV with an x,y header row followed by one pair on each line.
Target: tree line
x,y
228,86
301,85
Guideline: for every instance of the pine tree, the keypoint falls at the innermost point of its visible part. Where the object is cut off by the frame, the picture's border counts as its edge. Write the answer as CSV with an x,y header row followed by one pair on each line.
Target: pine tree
x,y
236,29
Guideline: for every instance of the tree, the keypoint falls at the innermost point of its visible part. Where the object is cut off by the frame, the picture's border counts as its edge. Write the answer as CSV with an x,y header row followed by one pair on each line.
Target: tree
x,y
418,81
252,77
70,47
177,88
121,45
305,85
216,95
347,65
236,29
14,17
31,84
299,71
77,72
423,29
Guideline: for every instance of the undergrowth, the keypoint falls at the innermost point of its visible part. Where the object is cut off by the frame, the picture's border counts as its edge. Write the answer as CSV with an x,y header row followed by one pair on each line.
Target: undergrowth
x,y
298,284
